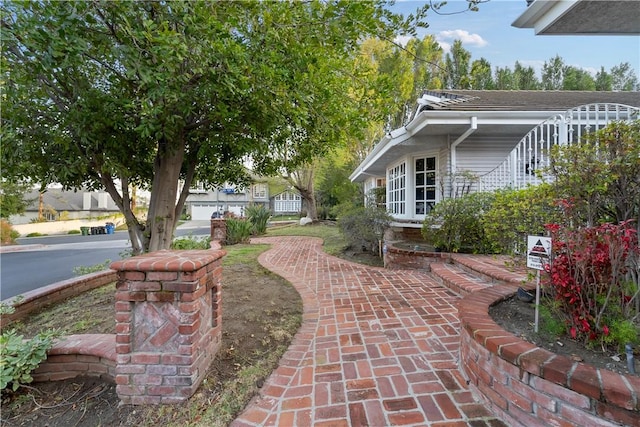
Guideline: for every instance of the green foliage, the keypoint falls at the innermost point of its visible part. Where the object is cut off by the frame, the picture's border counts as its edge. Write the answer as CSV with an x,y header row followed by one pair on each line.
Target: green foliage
x,y
238,231
19,357
191,242
550,324
73,232
622,332
364,227
98,93
259,216
82,270
36,234
8,235
12,197
598,179
455,225
515,214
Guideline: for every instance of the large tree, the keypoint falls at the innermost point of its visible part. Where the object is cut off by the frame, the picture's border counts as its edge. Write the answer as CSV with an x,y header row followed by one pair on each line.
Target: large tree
x,y
154,95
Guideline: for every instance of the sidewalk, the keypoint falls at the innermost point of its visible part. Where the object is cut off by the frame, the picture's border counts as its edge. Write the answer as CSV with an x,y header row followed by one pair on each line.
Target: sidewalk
x,y
376,348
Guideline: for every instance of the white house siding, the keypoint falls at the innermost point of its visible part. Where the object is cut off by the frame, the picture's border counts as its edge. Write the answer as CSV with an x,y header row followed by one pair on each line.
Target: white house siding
x,y
481,156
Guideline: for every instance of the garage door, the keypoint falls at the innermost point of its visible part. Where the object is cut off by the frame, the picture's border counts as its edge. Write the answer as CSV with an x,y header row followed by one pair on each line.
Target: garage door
x,y
202,212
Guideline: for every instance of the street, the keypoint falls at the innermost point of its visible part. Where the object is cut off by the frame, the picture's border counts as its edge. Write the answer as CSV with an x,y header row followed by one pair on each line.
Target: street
x,y
41,261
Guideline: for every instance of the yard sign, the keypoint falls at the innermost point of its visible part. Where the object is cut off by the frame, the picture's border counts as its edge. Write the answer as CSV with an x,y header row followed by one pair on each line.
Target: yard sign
x,y
538,252
538,255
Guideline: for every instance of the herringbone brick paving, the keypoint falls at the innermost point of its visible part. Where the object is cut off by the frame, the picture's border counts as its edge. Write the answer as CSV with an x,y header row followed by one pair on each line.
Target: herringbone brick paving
x,y
377,347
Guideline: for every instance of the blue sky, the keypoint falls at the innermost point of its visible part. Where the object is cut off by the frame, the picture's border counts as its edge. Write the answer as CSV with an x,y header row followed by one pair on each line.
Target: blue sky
x,y
488,34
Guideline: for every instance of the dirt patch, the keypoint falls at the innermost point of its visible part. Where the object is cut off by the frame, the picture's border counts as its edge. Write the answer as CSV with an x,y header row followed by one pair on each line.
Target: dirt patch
x,y
261,313
518,317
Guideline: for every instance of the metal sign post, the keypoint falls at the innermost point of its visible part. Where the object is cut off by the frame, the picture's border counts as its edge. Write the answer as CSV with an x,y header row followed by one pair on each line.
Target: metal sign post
x,y
538,256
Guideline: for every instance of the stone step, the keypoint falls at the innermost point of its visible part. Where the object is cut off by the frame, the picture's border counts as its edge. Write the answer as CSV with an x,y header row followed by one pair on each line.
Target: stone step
x,y
491,268
458,279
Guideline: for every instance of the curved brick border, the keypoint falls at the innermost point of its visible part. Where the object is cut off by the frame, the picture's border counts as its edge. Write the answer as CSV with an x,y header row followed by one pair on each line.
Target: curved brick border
x,y
530,386
33,300
92,355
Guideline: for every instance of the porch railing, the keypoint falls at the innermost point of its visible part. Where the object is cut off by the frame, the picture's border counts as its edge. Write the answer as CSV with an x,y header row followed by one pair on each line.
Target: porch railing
x,y
518,170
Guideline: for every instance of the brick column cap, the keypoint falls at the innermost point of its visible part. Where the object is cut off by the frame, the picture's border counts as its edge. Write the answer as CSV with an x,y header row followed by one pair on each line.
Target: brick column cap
x,y
166,260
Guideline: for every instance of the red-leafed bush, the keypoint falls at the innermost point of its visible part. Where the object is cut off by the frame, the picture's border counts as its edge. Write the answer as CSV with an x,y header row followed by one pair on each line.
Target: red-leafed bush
x,y
591,281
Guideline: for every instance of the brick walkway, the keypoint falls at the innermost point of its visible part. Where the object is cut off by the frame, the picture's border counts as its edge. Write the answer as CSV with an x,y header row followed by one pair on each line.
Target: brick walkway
x,y
376,348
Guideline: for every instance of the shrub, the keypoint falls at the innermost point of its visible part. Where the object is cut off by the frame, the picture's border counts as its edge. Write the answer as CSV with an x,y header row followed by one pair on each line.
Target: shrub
x,y
191,242
455,225
590,277
515,214
8,235
73,232
19,357
238,231
364,228
258,215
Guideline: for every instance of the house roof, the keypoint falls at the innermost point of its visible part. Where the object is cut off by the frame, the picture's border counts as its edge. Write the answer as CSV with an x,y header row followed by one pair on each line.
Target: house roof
x,y
521,100
70,201
561,17
457,114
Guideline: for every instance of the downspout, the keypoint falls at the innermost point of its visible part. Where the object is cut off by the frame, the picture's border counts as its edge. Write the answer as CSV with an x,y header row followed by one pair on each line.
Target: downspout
x,y
465,135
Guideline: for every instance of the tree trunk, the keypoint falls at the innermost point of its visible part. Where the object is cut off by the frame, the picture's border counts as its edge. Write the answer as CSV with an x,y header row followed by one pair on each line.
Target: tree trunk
x,y
309,202
161,219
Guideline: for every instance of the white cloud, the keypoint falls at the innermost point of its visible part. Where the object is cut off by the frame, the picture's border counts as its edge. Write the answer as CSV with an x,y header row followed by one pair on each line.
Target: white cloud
x,y
446,39
402,40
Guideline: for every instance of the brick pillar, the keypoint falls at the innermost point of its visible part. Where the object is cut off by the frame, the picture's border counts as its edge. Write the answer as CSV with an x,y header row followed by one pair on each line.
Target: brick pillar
x,y
218,230
168,323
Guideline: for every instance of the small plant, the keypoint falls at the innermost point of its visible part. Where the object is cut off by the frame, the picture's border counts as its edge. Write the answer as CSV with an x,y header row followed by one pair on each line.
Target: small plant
x,y
191,242
455,225
364,228
258,215
238,231
8,235
73,232
19,357
82,270
35,234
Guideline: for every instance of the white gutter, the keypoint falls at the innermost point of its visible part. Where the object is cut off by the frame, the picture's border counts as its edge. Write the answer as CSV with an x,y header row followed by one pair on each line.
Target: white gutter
x,y
539,15
465,135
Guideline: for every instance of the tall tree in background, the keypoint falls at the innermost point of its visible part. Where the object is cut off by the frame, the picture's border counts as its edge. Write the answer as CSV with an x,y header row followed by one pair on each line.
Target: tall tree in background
x,y
552,74
114,94
457,67
624,77
525,77
481,77
603,80
577,79
505,79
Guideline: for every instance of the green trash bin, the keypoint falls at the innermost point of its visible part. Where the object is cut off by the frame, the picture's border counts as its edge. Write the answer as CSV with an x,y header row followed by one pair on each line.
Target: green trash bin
x,y
85,231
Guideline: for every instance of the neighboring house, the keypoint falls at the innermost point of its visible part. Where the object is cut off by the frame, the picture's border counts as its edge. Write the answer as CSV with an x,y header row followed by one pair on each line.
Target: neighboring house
x,y
202,203
465,140
57,204
288,202
581,17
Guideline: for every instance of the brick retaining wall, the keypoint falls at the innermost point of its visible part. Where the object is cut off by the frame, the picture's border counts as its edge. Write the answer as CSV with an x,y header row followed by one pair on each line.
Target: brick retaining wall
x,y
33,300
529,386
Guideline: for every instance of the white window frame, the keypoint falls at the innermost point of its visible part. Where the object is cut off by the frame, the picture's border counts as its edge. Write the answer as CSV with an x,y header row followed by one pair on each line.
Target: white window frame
x,y
397,189
425,183
260,191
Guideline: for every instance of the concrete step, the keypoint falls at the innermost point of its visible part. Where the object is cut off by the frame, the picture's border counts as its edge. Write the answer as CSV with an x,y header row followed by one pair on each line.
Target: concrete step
x,y
457,279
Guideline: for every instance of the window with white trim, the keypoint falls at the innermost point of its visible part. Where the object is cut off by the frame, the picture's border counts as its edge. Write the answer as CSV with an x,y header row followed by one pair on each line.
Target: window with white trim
x,y
396,180
425,184
260,191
